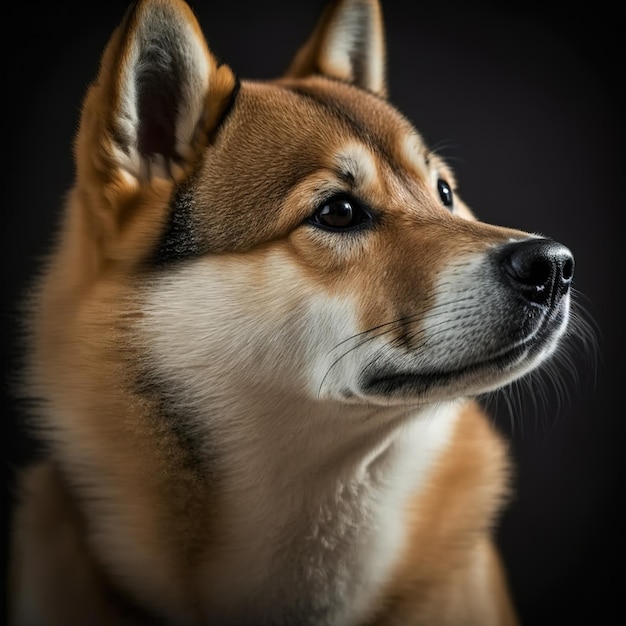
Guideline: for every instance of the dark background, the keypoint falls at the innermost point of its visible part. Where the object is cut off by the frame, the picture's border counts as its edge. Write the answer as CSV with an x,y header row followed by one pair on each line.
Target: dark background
x,y
524,102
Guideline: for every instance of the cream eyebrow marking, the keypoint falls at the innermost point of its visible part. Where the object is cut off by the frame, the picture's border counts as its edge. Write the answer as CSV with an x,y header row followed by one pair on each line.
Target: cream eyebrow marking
x,y
356,165
414,154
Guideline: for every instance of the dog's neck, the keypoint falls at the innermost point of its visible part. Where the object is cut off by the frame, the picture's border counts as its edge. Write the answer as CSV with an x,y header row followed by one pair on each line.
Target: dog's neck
x,y
327,483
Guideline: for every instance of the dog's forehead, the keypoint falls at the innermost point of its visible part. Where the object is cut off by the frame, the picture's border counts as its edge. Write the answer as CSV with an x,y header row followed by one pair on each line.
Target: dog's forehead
x,y
315,116
281,146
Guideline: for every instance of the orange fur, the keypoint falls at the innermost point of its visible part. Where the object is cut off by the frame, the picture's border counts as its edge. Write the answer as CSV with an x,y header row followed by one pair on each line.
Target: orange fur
x,y
451,562
136,514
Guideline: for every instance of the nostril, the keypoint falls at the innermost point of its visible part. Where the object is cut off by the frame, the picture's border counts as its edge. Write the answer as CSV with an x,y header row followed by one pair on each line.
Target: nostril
x,y
567,271
539,269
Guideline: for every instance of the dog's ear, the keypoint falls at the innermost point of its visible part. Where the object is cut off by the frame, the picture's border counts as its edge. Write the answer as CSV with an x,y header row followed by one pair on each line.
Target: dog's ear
x,y
348,43
158,94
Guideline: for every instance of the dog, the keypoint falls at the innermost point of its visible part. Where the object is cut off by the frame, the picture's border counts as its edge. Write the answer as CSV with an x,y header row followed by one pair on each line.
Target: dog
x,y
258,346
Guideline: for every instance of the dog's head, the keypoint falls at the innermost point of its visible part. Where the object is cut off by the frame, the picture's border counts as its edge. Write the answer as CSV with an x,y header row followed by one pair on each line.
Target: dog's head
x,y
292,236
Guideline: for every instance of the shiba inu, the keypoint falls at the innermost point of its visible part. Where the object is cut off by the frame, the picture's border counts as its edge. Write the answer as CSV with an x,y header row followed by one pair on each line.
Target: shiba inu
x,y
256,350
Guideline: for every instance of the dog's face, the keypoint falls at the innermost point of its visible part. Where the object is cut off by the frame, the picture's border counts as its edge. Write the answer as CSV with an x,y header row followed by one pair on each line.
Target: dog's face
x,y
297,237
330,246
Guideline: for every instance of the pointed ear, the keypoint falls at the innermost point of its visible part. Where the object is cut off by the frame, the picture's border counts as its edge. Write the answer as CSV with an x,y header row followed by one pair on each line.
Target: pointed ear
x,y
157,97
348,43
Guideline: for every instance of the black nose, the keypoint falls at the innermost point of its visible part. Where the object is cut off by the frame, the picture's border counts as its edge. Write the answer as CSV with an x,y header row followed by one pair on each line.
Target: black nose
x,y
540,269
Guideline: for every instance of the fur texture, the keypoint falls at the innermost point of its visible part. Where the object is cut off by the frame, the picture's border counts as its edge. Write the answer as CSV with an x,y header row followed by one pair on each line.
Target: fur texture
x,y
256,347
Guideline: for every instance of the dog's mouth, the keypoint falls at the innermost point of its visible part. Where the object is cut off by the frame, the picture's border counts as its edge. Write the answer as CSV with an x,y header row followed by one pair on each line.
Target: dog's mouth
x,y
482,374
388,382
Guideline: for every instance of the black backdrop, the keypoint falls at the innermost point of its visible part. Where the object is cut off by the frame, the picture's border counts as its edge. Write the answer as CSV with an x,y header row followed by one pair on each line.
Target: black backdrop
x,y
524,102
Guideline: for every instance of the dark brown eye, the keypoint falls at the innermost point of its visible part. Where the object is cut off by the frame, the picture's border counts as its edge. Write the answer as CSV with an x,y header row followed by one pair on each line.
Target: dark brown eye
x,y
340,213
445,193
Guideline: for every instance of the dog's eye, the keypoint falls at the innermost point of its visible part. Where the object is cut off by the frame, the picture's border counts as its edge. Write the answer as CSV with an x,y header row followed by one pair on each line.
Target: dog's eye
x,y
340,213
445,193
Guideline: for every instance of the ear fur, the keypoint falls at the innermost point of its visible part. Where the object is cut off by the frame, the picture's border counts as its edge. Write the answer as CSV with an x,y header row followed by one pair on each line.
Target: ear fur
x,y
156,98
348,43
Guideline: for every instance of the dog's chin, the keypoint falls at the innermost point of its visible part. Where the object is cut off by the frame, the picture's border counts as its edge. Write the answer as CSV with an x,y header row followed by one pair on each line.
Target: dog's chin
x,y
391,384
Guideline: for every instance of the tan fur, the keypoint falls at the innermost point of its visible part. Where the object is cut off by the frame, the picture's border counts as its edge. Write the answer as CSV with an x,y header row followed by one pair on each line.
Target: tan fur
x,y
451,563
136,514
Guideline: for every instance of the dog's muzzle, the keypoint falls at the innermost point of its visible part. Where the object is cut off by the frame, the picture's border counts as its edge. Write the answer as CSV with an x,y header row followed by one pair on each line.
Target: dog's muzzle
x,y
505,322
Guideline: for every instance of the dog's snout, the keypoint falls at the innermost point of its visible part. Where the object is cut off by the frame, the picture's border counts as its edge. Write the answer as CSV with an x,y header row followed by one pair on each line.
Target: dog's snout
x,y
540,269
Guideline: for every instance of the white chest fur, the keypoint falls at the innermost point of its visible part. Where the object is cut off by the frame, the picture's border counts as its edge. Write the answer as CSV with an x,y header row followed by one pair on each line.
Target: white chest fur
x,y
312,536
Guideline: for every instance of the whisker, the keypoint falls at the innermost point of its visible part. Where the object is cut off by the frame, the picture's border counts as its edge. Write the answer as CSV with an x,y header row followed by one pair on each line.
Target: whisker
x,y
441,146
369,331
550,387
433,310
434,329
